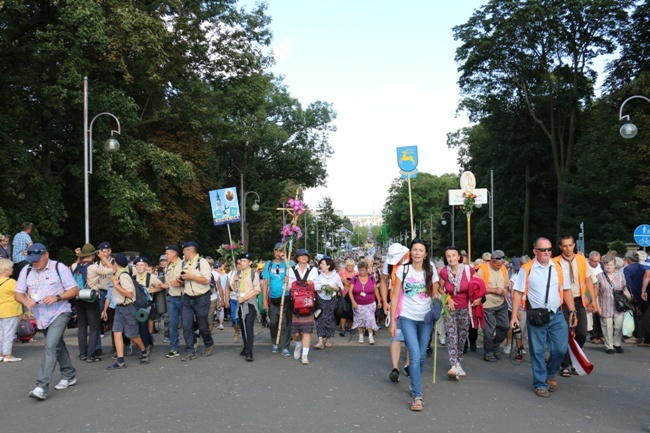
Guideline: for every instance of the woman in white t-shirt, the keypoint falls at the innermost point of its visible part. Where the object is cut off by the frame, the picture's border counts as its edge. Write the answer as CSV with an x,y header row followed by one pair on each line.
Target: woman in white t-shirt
x,y
415,287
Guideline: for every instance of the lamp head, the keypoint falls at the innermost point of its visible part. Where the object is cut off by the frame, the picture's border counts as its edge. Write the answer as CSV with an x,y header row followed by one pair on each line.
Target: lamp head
x,y
443,222
112,145
256,206
628,130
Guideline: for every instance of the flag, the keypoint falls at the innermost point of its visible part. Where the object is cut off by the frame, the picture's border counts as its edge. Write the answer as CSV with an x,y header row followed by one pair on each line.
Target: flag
x,y
578,358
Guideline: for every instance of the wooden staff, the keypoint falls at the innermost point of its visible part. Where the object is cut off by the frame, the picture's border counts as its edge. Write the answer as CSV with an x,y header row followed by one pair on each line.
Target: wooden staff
x,y
284,291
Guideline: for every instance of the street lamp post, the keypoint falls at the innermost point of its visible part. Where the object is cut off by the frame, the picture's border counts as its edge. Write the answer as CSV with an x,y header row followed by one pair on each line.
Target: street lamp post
x,y
255,207
629,129
111,145
443,221
315,223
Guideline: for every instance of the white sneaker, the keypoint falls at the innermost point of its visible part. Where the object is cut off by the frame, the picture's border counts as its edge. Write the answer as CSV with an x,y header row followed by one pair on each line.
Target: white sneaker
x,y
459,370
38,393
305,360
65,383
442,341
371,339
296,352
360,338
221,327
507,349
12,359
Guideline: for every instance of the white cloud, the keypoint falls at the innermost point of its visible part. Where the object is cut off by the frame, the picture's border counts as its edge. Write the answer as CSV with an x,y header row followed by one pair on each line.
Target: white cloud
x,y
281,50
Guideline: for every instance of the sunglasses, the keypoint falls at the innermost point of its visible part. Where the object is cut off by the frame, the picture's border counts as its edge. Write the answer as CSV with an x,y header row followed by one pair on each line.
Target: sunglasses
x,y
544,250
30,252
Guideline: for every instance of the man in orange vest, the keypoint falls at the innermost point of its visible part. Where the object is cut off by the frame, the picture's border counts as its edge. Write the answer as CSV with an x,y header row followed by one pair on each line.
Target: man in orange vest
x,y
578,272
495,307
542,284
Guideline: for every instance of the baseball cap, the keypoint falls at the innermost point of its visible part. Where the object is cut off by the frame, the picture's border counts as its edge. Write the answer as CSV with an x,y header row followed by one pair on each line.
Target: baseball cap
x,y
498,255
104,246
35,252
279,246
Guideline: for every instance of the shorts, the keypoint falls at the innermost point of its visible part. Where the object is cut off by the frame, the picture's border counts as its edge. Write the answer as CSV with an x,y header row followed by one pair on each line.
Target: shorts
x,y
125,321
399,336
214,306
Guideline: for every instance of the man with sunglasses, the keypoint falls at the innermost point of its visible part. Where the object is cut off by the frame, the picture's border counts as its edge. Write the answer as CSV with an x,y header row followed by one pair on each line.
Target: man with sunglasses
x,y
542,283
274,279
45,287
581,278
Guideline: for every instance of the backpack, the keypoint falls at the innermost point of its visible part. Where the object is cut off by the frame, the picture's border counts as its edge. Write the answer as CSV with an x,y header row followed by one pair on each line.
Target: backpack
x,y
142,296
80,274
26,329
303,294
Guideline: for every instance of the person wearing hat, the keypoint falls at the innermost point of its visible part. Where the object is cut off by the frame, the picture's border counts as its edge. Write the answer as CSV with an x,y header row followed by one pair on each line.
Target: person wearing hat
x,y
152,284
87,274
217,296
247,286
397,254
174,287
274,279
125,322
195,278
105,274
45,287
495,276
302,326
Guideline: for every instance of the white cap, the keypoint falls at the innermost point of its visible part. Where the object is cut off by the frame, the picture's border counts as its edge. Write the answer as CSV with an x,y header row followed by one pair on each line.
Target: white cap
x,y
395,253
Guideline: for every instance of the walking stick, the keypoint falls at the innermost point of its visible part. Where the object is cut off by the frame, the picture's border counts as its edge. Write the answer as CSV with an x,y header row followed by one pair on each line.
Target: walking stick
x,y
284,290
435,350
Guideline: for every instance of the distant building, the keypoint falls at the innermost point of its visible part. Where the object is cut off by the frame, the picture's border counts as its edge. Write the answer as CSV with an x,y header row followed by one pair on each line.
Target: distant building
x,y
365,220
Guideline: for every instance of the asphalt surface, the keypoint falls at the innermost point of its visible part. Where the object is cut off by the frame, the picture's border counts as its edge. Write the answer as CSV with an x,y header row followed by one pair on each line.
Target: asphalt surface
x,y
343,389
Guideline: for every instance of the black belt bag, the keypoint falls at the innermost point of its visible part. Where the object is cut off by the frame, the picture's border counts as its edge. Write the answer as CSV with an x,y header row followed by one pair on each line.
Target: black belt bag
x,y
540,316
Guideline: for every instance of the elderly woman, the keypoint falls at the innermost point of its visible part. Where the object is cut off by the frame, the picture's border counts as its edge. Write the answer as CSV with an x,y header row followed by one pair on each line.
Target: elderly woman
x,y
346,274
455,277
10,311
364,295
611,320
327,284
5,248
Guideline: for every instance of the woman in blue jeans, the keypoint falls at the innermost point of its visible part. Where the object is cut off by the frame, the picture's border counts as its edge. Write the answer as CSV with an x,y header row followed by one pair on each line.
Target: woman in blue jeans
x,y
416,284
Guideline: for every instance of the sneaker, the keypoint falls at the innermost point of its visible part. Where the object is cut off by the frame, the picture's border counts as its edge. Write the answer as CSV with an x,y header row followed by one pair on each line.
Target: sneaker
x,y
296,352
523,351
166,339
38,393
144,358
93,359
489,357
305,360
453,373
275,349
82,358
371,339
221,327
407,373
15,359
172,354
65,383
116,366
459,370
394,375
129,350
342,333
207,351
188,357
497,354
285,352
442,341
360,338
507,349
353,332
519,356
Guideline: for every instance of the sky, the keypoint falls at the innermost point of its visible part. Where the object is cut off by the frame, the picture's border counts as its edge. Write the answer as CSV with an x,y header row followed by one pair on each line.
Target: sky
x,y
388,69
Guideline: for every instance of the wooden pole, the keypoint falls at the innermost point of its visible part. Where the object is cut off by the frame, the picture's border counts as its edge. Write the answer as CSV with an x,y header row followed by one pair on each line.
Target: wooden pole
x,y
411,207
469,237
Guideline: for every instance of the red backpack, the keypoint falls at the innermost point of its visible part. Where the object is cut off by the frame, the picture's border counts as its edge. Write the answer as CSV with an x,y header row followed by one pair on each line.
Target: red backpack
x,y
302,294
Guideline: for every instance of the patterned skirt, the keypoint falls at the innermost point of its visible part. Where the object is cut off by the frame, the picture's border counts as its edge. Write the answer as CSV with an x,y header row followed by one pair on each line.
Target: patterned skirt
x,y
364,317
326,322
302,324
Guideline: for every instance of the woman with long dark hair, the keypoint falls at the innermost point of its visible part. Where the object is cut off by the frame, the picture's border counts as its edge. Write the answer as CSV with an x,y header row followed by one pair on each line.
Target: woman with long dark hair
x,y
416,286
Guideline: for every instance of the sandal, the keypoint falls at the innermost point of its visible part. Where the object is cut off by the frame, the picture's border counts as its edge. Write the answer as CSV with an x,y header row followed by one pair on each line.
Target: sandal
x,y
416,405
595,341
319,346
566,372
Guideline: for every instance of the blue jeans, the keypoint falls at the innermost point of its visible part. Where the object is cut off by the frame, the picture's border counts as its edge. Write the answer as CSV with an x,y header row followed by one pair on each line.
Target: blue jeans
x,y
416,338
196,308
55,351
555,336
102,298
174,311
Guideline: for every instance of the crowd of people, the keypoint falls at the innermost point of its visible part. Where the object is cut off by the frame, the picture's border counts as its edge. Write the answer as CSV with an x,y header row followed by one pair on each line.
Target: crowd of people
x,y
518,305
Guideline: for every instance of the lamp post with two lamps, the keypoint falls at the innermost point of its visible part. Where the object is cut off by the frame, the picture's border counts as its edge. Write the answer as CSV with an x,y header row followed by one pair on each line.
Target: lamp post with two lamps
x,y
443,221
628,129
110,145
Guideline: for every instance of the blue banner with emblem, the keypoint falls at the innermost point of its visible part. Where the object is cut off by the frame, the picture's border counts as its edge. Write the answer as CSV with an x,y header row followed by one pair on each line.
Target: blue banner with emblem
x,y
225,206
407,161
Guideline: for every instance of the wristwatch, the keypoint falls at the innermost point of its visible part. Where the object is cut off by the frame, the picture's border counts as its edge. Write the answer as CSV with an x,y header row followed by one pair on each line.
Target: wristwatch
x,y
58,297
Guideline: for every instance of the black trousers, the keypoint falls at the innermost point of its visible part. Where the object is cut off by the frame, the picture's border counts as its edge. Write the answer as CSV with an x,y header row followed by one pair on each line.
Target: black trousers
x,y
580,331
89,321
248,334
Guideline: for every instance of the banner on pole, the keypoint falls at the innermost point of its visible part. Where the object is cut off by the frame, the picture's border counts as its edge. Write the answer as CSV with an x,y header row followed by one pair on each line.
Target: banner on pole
x,y
456,196
407,161
225,206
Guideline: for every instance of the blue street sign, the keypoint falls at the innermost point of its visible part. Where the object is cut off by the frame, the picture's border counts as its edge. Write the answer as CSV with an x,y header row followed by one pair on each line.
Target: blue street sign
x,y
642,235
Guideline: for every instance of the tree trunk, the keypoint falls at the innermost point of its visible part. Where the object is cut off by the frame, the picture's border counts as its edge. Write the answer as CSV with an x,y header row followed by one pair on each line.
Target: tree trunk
x,y
525,243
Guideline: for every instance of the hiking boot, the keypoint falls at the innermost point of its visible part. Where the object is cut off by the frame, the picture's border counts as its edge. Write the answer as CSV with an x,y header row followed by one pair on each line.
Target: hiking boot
x,y
394,375
188,357
207,351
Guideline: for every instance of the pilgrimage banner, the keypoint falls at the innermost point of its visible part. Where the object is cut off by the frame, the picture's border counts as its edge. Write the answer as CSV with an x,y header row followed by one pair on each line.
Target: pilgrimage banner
x,y
225,206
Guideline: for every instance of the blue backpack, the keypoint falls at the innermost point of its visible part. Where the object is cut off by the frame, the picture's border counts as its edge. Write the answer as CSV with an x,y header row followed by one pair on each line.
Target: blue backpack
x,y
80,274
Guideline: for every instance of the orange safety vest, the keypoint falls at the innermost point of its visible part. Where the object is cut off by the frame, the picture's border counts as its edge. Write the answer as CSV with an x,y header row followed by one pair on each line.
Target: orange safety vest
x,y
560,281
484,268
582,273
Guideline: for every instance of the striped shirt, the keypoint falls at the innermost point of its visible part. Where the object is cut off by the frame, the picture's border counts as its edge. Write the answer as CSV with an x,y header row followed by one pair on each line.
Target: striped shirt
x,y
46,282
20,243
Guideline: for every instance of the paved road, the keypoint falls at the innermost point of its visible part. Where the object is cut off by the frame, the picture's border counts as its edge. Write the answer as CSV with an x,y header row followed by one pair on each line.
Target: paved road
x,y
344,389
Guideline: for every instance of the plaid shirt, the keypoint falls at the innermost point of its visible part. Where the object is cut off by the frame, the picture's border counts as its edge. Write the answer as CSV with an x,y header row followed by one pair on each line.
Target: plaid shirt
x,y
46,282
20,243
